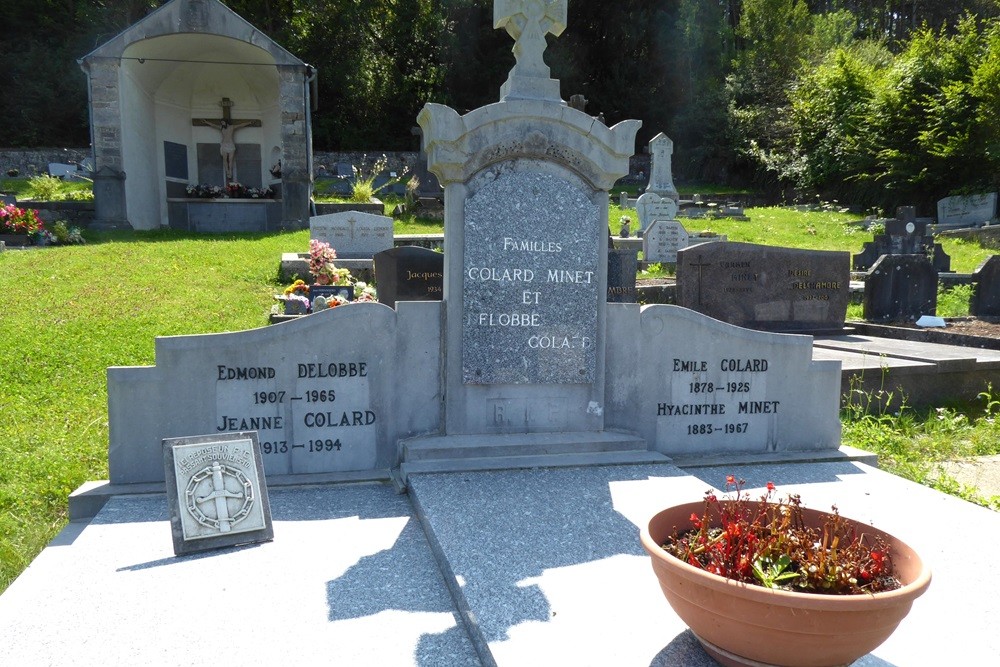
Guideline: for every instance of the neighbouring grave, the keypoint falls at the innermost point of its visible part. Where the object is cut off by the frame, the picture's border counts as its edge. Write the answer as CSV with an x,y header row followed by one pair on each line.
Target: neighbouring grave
x,y
900,288
524,357
409,273
765,287
623,264
188,95
904,235
661,180
356,237
651,207
216,491
353,234
986,295
662,240
967,211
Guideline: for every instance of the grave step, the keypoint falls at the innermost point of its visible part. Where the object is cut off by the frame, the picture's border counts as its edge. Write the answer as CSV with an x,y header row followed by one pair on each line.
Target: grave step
x,y
438,447
566,460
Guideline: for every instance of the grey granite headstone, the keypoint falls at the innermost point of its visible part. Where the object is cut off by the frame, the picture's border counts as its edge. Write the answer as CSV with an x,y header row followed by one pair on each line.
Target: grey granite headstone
x,y
353,234
320,391
900,288
765,287
216,491
409,273
8,200
986,298
967,211
662,239
702,387
623,264
531,277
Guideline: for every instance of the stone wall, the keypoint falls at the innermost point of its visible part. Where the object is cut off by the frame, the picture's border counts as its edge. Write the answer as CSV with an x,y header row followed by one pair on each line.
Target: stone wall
x,y
34,161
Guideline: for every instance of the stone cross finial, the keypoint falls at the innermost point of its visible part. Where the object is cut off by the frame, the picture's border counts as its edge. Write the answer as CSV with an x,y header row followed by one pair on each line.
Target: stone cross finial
x,y
528,21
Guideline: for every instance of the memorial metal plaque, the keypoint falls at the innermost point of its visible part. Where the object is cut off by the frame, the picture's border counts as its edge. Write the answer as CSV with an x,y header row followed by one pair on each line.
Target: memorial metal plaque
x,y
175,160
531,281
216,491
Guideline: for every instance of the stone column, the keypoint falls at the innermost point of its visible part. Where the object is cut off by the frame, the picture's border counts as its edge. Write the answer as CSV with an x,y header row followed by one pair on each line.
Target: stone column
x,y
296,174
109,178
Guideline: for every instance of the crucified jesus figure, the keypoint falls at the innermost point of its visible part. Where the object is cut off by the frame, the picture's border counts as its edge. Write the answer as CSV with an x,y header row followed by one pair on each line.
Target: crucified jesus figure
x,y
227,146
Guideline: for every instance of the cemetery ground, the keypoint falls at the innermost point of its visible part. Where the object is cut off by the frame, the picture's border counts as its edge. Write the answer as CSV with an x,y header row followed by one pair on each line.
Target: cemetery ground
x,y
70,312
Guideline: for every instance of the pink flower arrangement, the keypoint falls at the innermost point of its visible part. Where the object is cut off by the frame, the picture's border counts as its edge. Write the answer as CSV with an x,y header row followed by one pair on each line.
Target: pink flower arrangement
x,y
322,268
14,220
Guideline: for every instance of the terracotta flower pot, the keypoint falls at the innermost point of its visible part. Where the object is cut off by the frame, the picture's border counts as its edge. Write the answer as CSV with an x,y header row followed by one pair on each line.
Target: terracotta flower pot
x,y
740,624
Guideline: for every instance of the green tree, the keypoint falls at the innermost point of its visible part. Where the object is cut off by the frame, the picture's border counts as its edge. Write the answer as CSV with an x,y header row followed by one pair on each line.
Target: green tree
x,y
775,38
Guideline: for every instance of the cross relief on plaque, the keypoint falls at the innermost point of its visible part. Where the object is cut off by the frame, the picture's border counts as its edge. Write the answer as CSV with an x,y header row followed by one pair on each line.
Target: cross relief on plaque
x,y
528,21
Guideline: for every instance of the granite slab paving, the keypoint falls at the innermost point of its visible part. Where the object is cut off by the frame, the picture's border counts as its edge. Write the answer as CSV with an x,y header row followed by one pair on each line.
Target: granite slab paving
x,y
947,357
549,570
544,567
348,580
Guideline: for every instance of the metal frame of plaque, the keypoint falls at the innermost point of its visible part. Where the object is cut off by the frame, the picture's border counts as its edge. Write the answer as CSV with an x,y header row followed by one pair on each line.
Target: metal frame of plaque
x,y
216,491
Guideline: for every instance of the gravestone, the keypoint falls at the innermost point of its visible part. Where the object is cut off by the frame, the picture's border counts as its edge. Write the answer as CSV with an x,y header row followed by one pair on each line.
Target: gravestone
x,y
623,264
651,207
59,170
904,235
662,240
900,288
523,357
986,295
661,181
353,234
698,385
216,492
409,273
765,287
8,200
967,211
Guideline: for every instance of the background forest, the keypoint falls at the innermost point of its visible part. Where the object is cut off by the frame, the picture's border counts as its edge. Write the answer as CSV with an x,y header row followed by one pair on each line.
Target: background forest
x,y
871,102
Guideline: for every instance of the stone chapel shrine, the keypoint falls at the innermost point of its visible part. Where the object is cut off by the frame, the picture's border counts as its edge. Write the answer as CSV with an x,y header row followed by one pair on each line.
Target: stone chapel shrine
x,y
193,95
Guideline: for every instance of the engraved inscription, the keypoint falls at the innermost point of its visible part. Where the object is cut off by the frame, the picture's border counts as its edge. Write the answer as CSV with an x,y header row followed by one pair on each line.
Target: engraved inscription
x,y
530,282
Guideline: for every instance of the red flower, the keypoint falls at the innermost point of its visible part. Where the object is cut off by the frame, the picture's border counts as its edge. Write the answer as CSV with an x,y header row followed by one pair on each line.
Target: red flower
x,y
770,486
730,480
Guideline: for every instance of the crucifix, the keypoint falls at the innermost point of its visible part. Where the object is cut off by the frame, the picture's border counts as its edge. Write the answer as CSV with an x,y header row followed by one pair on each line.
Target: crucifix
x,y
227,126
528,21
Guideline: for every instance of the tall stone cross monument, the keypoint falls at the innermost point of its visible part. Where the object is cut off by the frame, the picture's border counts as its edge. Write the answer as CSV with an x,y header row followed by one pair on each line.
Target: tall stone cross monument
x,y
528,21
526,185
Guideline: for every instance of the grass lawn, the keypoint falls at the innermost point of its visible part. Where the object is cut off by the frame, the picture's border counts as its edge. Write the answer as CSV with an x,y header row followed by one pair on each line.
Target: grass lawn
x,y
69,312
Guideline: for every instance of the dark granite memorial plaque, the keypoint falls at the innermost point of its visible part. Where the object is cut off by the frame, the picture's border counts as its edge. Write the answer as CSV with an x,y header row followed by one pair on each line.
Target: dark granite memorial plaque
x,y
175,160
765,287
409,273
247,165
216,491
623,264
986,297
900,288
531,280
345,291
